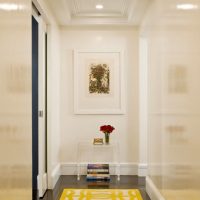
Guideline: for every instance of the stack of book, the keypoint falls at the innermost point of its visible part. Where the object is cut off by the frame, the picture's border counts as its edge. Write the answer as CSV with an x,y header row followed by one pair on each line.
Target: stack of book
x,y
98,172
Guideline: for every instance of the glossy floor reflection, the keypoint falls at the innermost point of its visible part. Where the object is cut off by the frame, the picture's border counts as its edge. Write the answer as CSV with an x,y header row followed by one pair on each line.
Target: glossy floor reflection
x,y
126,182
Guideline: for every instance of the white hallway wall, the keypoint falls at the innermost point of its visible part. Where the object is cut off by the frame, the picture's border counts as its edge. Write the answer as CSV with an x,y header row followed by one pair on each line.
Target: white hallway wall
x,y
85,127
53,127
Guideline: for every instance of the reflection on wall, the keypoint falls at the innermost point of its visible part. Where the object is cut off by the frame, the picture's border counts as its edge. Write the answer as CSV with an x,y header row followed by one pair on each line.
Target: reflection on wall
x,y
173,33
177,134
17,79
15,100
177,77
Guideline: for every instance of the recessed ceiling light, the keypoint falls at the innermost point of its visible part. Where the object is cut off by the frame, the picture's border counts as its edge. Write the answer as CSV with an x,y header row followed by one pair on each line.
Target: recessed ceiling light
x,y
99,6
10,6
186,6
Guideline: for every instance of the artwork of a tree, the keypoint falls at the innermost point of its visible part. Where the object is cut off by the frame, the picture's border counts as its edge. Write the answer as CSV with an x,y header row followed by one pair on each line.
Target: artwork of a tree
x,y
99,79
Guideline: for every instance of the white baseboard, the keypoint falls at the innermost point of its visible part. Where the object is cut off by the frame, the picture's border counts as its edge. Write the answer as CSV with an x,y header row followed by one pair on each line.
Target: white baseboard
x,y
125,169
55,175
68,169
71,169
142,169
152,190
42,184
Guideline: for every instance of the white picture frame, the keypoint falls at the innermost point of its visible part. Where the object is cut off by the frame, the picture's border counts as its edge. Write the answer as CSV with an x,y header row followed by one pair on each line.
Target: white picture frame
x,y
98,82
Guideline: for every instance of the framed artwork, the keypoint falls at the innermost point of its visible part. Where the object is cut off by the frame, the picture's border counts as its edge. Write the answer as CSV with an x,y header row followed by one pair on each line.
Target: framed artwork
x,y
98,82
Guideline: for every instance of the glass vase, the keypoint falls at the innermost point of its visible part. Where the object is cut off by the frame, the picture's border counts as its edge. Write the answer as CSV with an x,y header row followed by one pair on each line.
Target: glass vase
x,y
107,138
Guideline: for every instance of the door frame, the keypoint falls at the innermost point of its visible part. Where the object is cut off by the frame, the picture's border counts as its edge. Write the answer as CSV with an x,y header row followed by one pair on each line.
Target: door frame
x,y
143,106
41,7
42,102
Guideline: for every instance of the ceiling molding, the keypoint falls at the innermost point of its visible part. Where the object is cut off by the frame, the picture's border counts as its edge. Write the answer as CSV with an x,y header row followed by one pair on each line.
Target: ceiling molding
x,y
97,27
60,10
80,12
124,7
75,8
132,10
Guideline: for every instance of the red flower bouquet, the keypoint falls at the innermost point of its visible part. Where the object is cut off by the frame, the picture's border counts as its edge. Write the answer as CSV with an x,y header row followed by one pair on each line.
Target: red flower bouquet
x,y
107,129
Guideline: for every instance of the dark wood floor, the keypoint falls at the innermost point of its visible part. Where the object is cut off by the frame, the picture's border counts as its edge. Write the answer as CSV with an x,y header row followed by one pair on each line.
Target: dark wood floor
x,y
126,182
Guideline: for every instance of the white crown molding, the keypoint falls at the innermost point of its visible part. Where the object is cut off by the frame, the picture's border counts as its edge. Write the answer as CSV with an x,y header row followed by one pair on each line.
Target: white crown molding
x,y
75,7
124,8
100,21
71,12
131,10
61,11
97,27
137,10
106,15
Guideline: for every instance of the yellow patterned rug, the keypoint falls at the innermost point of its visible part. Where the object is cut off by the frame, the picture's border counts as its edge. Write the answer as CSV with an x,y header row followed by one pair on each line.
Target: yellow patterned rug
x,y
99,194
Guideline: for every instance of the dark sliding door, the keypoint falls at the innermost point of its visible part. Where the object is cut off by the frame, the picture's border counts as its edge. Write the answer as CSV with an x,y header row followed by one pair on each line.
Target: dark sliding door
x,y
34,105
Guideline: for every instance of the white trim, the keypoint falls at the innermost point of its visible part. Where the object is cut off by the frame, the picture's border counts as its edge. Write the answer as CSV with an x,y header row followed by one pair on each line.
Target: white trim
x,y
42,8
142,169
42,104
52,27
125,169
143,102
35,13
55,175
121,108
152,190
42,184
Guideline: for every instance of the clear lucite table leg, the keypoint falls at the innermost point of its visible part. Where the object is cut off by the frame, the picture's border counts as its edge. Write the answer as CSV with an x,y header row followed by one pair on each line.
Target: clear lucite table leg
x,y
78,171
78,163
118,162
118,171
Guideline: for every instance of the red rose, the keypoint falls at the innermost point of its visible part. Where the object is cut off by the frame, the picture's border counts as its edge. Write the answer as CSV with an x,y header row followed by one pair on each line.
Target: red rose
x,y
107,128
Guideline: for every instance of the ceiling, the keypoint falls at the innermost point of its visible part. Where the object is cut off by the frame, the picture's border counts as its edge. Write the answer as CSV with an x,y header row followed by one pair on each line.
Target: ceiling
x,y
84,12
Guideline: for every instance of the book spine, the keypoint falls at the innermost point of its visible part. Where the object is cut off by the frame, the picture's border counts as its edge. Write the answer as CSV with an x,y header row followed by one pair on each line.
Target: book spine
x,y
98,183
98,166
98,179
98,175
93,173
98,170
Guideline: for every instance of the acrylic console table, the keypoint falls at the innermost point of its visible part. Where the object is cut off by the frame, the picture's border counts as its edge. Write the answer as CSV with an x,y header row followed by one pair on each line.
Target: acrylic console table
x,y
104,154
